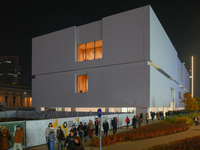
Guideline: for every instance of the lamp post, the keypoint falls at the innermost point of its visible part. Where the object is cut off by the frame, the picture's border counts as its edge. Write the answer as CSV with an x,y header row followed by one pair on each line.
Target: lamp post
x,y
192,84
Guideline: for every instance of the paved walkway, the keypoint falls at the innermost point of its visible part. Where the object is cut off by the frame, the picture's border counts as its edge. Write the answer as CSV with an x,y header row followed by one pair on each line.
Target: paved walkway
x,y
139,145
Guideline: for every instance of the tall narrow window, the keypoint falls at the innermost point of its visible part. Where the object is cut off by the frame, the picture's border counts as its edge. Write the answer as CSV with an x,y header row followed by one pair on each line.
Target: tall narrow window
x,y
13,101
90,51
6,99
82,83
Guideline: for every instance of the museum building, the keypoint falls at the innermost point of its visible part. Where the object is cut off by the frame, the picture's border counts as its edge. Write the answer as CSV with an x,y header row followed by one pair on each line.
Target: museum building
x,y
123,61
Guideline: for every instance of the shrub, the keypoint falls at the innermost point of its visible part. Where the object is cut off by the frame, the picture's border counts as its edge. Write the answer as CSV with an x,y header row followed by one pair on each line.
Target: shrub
x,y
184,144
144,132
185,120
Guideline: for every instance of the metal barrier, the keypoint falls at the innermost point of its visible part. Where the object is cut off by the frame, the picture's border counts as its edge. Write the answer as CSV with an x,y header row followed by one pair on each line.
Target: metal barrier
x,y
11,127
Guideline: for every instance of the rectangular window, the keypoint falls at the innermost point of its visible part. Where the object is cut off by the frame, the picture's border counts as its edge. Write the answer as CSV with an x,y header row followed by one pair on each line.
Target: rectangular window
x,y
178,72
6,99
82,83
180,95
21,101
13,101
90,51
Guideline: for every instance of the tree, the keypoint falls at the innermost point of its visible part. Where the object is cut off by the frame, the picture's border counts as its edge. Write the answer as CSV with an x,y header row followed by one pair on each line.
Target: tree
x,y
198,100
190,103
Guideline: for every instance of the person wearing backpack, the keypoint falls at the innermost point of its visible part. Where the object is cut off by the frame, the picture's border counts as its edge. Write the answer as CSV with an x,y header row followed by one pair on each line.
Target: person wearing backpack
x,y
4,138
60,137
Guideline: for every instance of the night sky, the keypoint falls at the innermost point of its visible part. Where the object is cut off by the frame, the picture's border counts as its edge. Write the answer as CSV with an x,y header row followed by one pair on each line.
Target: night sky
x,y
20,21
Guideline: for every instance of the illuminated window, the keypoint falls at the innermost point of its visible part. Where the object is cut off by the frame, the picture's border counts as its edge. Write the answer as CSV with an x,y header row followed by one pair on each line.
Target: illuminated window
x,y
90,51
82,83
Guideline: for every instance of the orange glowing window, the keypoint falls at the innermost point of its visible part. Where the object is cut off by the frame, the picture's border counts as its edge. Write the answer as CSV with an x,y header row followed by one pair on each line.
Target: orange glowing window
x,y
90,51
82,83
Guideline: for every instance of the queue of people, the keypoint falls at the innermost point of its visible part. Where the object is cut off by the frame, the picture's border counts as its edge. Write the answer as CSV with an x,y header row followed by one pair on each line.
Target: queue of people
x,y
5,138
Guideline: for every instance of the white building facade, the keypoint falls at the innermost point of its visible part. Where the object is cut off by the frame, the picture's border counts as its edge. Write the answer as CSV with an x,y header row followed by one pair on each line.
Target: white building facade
x,y
123,60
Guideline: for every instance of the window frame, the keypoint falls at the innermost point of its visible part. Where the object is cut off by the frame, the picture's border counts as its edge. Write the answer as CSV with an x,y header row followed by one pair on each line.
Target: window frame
x,y
86,50
85,84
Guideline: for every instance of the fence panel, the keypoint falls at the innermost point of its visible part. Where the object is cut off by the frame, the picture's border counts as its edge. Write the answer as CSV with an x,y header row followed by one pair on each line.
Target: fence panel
x,y
12,126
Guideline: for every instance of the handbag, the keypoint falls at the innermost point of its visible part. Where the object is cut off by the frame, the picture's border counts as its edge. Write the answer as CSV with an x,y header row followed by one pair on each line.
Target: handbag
x,y
9,138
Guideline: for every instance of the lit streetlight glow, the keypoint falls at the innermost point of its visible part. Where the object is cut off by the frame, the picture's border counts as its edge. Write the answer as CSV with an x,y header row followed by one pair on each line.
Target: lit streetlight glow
x,y
192,85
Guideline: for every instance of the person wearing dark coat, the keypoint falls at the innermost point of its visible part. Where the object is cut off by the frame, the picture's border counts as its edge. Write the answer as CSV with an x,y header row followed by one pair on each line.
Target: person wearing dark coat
x,y
80,130
114,124
74,129
134,121
77,145
60,137
69,139
105,127
4,138
86,131
96,127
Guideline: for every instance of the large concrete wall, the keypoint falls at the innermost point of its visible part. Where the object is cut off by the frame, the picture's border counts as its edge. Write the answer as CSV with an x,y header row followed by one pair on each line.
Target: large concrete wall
x,y
125,39
113,86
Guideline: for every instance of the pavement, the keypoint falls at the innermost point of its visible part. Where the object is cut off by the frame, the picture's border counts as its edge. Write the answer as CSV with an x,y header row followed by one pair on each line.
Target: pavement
x,y
138,145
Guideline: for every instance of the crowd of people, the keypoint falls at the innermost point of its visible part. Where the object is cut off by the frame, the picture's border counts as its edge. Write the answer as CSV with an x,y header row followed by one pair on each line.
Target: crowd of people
x,y
73,140
5,138
75,137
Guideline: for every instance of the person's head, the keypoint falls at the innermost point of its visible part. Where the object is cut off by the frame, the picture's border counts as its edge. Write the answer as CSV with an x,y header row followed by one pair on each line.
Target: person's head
x,y
85,123
96,118
18,127
59,128
91,122
50,124
73,126
77,139
71,132
80,123
127,117
3,128
51,128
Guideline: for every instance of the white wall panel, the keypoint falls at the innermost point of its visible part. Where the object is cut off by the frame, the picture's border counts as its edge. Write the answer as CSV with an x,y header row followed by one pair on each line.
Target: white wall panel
x,y
114,86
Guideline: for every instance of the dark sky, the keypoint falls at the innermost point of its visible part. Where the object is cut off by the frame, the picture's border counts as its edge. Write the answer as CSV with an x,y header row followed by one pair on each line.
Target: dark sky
x,y
20,21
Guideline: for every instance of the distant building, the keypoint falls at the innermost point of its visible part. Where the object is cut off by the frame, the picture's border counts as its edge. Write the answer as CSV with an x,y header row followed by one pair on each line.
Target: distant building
x,y
15,95
9,67
123,60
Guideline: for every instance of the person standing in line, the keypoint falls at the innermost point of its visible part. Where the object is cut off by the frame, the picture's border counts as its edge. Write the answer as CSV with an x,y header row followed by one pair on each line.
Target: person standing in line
x,y
18,138
80,130
127,121
96,127
105,127
74,129
91,127
147,118
47,133
77,145
4,138
51,139
86,131
139,121
166,113
114,124
60,137
134,121
69,139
